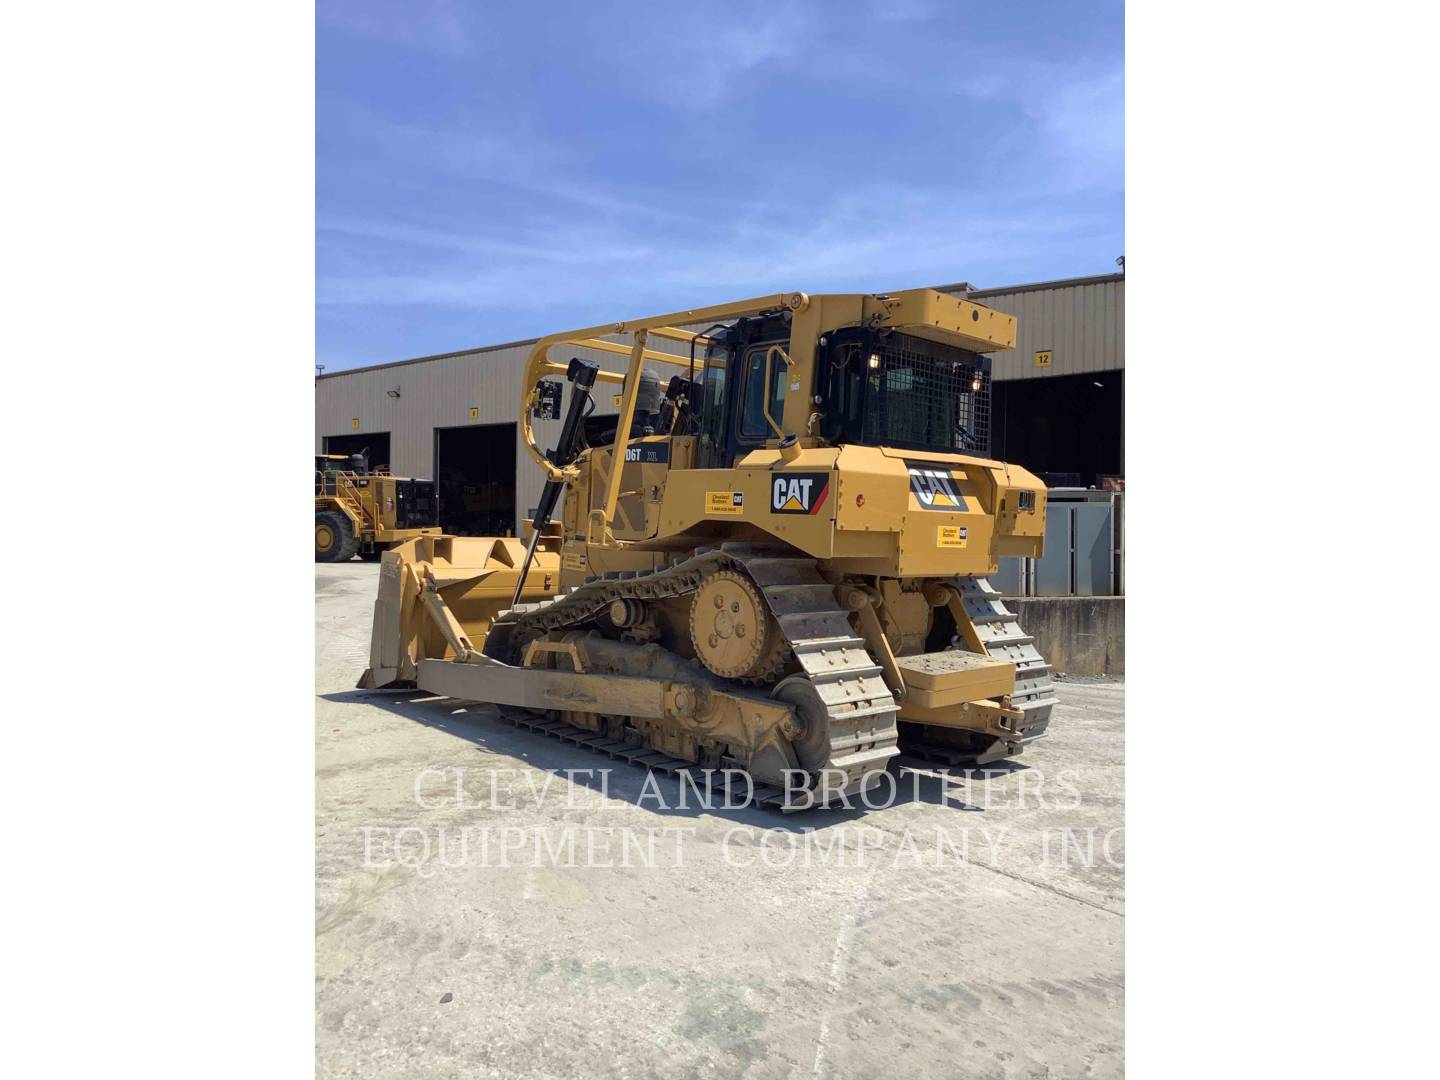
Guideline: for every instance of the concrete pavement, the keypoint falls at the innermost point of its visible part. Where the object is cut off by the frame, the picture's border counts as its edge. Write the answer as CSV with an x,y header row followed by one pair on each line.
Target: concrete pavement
x,y
494,903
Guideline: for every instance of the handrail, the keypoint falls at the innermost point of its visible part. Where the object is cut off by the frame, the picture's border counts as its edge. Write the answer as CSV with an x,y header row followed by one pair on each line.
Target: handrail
x,y
538,365
765,389
347,491
622,437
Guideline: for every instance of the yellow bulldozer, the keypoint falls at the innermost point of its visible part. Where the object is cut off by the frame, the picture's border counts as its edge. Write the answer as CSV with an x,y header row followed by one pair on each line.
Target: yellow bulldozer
x,y
773,567
363,511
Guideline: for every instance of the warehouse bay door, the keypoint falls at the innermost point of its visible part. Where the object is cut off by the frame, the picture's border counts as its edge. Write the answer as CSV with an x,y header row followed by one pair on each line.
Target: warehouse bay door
x,y
1069,429
475,479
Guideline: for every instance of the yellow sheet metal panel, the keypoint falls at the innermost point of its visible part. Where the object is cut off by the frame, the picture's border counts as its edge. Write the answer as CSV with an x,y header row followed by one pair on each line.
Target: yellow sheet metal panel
x,y
927,313
863,504
935,680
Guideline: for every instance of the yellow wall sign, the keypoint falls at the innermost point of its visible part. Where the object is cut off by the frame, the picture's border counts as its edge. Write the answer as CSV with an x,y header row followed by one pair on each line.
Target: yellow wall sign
x,y
355,424
724,502
474,413
952,536
1044,357
616,400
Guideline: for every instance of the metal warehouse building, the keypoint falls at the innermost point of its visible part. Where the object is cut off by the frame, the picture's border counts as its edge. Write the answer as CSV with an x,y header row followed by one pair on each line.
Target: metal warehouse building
x,y
1057,404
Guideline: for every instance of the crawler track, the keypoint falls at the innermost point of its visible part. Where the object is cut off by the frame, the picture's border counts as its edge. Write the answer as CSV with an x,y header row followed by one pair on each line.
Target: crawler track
x,y
999,631
765,795
850,715
1003,639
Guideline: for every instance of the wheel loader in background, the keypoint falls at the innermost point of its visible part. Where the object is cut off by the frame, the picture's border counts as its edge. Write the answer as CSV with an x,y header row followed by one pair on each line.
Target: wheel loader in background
x,y
775,565
363,511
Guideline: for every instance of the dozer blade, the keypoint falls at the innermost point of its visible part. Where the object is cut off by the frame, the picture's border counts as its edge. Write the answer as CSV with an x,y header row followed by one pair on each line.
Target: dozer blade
x,y
470,579
441,598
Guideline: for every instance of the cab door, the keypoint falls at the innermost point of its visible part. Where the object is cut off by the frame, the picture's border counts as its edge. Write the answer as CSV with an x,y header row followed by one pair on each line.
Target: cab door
x,y
732,420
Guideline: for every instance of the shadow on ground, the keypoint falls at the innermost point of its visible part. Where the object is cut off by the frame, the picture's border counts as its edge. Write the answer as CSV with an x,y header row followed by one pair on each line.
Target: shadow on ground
x,y
479,723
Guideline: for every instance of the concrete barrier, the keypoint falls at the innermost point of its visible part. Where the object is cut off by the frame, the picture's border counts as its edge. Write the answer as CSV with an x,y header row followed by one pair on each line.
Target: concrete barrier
x,y
1079,635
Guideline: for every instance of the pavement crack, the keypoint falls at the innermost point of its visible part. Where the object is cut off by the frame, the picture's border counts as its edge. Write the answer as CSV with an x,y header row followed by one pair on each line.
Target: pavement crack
x,y
1047,887
848,924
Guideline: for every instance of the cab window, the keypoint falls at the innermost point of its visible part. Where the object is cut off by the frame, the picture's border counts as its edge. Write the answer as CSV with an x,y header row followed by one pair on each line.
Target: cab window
x,y
712,413
753,423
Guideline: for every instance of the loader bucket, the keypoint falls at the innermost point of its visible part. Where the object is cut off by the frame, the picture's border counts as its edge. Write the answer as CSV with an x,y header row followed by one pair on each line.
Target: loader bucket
x,y
474,577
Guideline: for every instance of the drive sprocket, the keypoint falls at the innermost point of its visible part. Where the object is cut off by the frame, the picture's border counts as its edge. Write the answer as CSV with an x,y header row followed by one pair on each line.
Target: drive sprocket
x,y
733,632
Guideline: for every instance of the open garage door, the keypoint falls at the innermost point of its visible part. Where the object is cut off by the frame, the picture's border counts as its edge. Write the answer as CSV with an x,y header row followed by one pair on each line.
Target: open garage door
x,y
475,478
375,445
1069,429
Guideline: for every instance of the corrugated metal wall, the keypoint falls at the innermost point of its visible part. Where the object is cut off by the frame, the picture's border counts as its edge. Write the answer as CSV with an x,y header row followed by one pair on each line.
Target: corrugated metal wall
x,y
1081,322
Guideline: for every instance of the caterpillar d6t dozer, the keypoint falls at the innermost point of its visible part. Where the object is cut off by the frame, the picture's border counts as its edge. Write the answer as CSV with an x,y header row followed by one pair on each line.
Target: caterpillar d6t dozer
x,y
784,575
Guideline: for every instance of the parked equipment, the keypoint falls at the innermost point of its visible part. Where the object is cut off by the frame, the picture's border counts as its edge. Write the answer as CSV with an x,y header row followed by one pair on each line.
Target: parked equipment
x,y
784,575
363,511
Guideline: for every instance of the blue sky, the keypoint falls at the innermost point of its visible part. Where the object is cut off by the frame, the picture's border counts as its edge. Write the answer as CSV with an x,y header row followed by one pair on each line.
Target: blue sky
x,y
490,171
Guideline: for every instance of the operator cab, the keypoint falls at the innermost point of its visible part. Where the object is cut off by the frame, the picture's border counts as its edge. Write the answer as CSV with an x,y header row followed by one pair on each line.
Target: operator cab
x,y
873,387
329,466
732,421
333,463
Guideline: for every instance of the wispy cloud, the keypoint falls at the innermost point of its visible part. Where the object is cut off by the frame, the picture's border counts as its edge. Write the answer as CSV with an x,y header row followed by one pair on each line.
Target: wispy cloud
x,y
1083,124
1067,117
428,25
696,56
510,154
627,159
918,239
576,245
904,10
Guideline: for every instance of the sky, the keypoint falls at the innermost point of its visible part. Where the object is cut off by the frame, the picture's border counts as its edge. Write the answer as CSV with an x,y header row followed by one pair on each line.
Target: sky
x,y
489,171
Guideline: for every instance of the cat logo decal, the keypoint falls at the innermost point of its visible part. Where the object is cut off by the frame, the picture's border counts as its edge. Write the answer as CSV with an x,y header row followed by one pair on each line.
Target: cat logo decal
x,y
798,493
935,488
